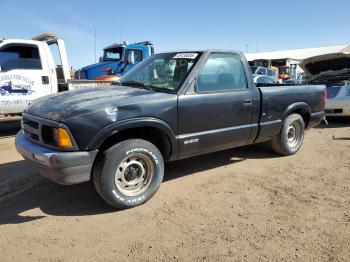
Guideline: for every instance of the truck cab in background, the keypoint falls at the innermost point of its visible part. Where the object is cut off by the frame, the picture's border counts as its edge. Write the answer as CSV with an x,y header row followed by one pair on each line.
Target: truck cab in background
x,y
117,59
28,71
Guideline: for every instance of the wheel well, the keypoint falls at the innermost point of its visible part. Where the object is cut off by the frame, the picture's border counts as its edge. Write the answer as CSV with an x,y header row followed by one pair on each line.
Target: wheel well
x,y
152,134
304,114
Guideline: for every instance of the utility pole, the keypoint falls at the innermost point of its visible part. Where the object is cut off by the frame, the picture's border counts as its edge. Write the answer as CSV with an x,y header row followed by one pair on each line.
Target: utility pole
x,y
95,44
257,46
247,47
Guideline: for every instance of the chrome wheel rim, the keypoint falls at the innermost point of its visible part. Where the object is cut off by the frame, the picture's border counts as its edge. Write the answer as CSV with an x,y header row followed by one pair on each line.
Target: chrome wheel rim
x,y
294,134
134,174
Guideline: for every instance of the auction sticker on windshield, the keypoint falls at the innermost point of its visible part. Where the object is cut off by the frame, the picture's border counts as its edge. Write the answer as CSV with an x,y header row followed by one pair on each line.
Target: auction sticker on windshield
x,y
186,55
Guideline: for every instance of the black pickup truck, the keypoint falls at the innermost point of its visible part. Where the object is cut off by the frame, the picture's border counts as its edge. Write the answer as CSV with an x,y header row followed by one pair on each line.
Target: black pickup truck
x,y
172,105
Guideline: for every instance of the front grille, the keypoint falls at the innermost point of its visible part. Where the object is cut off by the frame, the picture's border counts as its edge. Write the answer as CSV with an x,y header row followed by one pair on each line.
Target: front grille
x,y
80,74
39,130
31,128
44,131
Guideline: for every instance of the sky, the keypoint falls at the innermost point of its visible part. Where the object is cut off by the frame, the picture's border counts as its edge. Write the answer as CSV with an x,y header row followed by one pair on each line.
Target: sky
x,y
179,24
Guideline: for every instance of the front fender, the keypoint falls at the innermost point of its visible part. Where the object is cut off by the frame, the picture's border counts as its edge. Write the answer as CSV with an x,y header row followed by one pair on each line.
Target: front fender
x,y
114,128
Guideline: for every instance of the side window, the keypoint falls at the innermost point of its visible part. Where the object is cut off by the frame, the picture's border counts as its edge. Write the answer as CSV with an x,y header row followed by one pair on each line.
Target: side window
x,y
137,55
20,57
261,71
221,72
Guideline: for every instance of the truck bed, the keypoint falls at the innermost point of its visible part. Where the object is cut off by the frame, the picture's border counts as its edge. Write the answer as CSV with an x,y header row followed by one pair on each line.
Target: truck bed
x,y
278,100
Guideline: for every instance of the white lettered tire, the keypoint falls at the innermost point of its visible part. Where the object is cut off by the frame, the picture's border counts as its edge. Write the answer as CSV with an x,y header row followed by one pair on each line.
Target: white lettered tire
x,y
291,137
128,173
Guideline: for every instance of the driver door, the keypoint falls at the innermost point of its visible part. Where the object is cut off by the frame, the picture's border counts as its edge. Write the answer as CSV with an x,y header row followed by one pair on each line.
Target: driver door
x,y
219,114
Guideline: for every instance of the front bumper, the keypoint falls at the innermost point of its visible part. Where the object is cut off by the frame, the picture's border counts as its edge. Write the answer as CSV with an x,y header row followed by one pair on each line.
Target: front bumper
x,y
66,168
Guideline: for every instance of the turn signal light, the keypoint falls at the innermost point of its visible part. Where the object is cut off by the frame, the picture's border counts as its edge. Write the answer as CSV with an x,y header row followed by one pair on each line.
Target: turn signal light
x,y
63,138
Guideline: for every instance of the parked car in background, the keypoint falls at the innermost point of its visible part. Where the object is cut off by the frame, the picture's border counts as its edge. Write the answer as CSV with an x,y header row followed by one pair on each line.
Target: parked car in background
x,y
261,70
332,70
263,80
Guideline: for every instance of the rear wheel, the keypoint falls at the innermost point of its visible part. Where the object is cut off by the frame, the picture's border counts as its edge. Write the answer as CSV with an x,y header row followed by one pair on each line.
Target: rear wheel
x,y
128,173
291,137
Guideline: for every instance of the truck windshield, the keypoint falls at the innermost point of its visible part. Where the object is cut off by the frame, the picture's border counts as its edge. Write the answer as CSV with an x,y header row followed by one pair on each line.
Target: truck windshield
x,y
112,54
162,72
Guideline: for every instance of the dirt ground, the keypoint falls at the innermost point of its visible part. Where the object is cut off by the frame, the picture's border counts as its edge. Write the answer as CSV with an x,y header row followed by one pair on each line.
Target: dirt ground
x,y
244,204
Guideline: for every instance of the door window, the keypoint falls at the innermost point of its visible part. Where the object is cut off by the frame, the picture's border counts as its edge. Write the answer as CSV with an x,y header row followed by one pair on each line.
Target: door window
x,y
20,57
137,55
222,72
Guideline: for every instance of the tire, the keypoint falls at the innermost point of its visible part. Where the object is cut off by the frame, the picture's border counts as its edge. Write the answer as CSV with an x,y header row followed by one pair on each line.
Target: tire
x,y
129,173
291,137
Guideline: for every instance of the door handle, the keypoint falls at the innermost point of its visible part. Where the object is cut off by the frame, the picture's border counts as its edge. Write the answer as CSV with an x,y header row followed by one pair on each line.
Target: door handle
x,y
45,80
247,101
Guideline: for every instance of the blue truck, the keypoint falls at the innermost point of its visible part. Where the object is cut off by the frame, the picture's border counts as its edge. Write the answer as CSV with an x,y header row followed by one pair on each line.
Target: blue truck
x,y
117,59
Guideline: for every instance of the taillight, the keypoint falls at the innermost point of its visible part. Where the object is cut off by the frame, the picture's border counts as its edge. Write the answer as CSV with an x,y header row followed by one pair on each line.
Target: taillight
x,y
324,96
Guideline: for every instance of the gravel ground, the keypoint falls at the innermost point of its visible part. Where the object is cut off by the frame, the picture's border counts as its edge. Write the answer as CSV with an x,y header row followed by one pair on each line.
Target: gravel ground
x,y
244,204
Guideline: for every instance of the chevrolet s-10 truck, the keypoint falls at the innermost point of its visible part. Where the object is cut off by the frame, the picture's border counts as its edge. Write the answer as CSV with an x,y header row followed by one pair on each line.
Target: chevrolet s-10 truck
x,y
171,106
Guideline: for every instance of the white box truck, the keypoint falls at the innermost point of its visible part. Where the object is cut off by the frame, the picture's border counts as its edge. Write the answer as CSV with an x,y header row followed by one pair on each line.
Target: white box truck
x,y
28,71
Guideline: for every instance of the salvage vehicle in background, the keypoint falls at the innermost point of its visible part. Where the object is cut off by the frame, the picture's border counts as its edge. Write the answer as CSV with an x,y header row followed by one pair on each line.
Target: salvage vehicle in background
x,y
332,70
171,106
261,70
28,71
117,59
262,80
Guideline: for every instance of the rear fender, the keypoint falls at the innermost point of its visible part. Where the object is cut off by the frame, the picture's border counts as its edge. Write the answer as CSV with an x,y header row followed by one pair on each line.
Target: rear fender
x,y
295,107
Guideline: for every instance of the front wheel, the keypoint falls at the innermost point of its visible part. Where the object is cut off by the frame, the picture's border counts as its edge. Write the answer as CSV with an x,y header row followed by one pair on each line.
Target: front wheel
x,y
291,137
128,173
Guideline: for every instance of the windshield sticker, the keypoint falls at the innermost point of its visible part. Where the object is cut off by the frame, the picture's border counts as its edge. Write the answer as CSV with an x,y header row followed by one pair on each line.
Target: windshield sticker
x,y
186,56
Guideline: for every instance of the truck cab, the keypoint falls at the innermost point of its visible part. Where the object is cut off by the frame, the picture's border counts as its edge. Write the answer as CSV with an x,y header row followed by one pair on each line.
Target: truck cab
x,y
116,60
27,71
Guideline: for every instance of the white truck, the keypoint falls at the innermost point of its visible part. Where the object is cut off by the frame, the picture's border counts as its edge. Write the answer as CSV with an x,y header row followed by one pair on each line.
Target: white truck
x,y
28,71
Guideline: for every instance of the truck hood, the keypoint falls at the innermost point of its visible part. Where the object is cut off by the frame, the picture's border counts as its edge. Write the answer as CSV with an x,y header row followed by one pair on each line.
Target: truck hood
x,y
99,66
328,65
70,104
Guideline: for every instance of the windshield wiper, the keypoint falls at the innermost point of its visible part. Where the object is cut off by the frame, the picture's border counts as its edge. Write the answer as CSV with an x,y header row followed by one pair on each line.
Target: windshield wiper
x,y
136,84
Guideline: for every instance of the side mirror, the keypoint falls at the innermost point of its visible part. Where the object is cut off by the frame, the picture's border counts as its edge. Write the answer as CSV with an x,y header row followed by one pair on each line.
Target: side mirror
x,y
100,59
131,57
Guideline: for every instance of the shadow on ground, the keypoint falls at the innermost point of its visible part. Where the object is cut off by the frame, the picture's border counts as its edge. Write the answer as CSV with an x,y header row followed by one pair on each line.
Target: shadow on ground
x,y
22,189
336,122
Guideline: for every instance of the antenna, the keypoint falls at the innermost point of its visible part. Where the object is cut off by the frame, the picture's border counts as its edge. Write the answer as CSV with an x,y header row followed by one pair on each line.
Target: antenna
x,y
120,34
